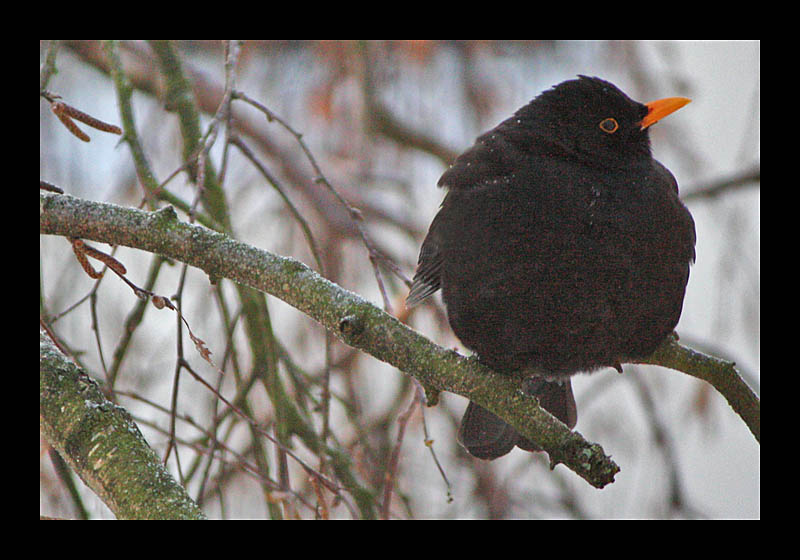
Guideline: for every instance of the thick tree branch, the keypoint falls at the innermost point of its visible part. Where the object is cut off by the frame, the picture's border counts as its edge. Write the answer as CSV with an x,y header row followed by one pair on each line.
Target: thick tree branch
x,y
103,445
355,321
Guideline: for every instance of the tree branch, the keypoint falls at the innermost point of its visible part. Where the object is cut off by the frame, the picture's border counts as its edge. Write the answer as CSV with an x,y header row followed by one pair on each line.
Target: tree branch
x,y
103,445
353,320
721,374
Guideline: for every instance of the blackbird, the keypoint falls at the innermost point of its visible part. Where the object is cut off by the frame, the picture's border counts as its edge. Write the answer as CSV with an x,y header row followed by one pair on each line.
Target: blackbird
x,y
560,247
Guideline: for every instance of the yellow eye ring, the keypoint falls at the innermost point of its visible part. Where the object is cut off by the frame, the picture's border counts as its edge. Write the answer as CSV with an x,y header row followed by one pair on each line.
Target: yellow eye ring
x,y
609,125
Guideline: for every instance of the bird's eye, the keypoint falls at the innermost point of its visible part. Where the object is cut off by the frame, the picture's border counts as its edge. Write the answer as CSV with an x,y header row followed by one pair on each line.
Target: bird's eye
x,y
609,125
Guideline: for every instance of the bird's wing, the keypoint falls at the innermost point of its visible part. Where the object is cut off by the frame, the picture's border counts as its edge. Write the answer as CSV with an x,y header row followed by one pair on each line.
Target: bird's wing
x,y
428,278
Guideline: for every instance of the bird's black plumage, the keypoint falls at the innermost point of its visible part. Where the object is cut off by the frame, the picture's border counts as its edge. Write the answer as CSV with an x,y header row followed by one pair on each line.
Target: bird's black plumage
x,y
560,247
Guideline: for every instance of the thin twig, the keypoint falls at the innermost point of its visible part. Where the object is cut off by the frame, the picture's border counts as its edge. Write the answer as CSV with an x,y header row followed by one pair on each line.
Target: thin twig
x,y
354,213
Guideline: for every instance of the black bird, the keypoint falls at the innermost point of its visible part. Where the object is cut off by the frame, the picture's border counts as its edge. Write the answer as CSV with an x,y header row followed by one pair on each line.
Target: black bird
x,y
560,247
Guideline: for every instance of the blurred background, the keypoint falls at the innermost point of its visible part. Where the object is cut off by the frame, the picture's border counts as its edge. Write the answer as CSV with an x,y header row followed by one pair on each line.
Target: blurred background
x,y
383,119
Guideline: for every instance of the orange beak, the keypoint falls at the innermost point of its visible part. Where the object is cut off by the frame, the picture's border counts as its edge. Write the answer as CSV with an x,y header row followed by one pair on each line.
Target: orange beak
x,y
657,110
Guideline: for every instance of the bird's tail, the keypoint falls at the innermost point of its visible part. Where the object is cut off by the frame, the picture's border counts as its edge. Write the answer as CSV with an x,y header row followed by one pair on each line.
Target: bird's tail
x,y
485,436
